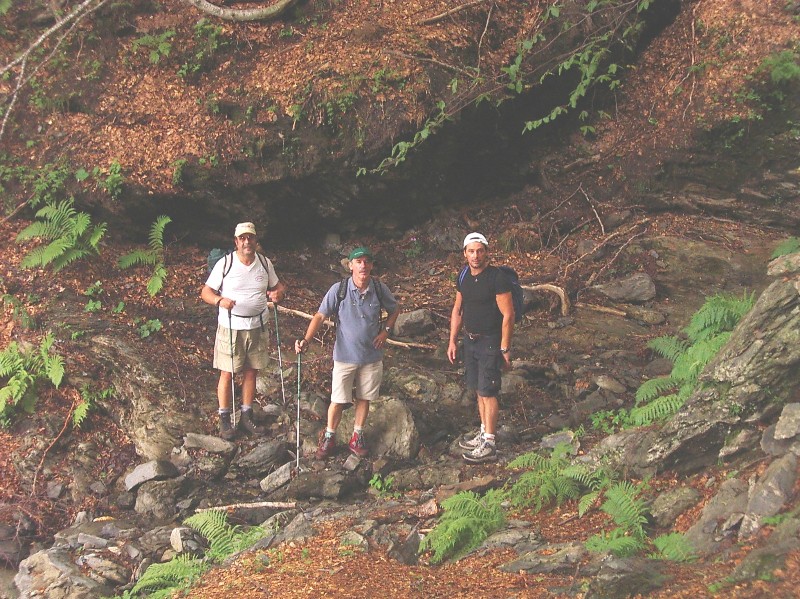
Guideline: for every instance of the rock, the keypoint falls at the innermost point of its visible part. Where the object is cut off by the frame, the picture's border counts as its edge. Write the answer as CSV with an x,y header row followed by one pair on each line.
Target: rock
x,y
52,573
706,534
390,429
276,479
209,443
626,577
414,324
637,288
159,497
555,557
671,504
152,470
770,494
646,315
788,425
610,384
262,459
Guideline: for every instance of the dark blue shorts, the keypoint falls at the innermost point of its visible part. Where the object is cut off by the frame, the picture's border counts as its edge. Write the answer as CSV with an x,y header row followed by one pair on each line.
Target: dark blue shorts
x,y
482,364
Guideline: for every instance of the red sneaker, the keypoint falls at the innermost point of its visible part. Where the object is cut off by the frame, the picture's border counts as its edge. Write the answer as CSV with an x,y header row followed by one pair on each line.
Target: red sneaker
x,y
357,445
326,446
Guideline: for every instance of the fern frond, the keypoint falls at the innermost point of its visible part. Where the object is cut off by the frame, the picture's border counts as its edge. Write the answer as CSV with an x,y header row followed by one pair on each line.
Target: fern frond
x,y
467,521
689,366
179,571
626,508
651,389
156,282
657,410
143,257
586,502
668,346
617,542
530,460
156,239
674,547
718,314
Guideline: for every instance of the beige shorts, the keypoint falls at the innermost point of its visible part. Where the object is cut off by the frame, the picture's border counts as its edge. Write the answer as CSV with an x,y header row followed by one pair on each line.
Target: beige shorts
x,y
365,379
250,349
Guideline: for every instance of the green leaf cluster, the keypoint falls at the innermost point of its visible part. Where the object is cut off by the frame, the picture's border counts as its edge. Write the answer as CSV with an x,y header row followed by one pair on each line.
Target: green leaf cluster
x,y
153,256
21,373
224,540
467,521
555,479
786,247
709,329
69,234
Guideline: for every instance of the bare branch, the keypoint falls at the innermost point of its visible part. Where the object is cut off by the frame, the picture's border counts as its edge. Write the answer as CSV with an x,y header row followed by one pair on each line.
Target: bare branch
x,y
444,15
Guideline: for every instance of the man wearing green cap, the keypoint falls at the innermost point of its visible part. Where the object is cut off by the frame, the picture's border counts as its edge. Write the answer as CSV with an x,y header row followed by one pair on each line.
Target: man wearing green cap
x,y
361,335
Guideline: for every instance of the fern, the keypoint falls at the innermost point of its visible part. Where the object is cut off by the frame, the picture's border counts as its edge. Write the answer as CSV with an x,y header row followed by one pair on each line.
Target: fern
x,y
674,547
718,314
153,256
651,389
668,347
70,234
23,372
163,579
787,246
467,521
627,508
224,539
618,542
657,410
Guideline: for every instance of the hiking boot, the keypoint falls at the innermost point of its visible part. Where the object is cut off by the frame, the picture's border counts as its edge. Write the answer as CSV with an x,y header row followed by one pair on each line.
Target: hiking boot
x,y
326,446
247,425
471,443
225,429
485,452
357,445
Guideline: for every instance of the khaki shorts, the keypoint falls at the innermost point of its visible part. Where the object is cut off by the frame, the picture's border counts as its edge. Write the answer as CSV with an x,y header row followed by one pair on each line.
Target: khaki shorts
x,y
365,378
250,349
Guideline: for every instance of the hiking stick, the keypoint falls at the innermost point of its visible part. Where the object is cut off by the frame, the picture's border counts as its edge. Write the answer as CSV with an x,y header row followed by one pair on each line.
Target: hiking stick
x,y
297,436
233,391
280,357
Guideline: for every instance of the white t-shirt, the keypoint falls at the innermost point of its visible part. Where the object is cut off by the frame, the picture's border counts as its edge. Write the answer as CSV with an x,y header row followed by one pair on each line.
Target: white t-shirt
x,y
247,286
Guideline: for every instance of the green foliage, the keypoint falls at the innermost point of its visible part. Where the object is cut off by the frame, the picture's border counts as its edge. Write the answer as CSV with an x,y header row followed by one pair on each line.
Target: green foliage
x,y
382,485
674,547
554,479
159,46
783,67
659,398
161,580
21,373
89,399
111,180
149,328
177,174
617,542
629,511
5,6
69,233
467,521
787,246
208,41
224,539
153,256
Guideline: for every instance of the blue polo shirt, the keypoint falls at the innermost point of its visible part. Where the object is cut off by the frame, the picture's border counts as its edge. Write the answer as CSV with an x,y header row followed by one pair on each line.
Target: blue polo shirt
x,y
359,321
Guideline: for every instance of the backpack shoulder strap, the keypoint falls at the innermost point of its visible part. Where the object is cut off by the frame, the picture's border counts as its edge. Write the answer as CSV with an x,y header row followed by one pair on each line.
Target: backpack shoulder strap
x,y
341,293
462,274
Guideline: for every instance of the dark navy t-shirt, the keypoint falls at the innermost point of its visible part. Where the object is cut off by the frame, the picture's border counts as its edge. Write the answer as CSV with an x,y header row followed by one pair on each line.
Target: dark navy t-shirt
x,y
479,300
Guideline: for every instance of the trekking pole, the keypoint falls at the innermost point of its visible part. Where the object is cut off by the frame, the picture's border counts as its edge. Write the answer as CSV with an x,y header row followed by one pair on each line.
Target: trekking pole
x,y
233,392
280,357
297,436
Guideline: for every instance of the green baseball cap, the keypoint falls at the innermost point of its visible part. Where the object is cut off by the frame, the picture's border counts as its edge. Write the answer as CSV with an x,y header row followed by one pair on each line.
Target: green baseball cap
x,y
359,252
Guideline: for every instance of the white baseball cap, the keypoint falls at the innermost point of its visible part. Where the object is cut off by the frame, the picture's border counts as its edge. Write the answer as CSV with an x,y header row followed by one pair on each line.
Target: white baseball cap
x,y
243,228
473,237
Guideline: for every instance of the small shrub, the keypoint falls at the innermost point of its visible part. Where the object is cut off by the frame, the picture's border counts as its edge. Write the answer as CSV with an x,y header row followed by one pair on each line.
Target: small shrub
x,y
23,372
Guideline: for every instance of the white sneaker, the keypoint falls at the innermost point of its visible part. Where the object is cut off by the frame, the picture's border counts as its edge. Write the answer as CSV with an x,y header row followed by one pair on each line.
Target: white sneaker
x,y
471,443
485,452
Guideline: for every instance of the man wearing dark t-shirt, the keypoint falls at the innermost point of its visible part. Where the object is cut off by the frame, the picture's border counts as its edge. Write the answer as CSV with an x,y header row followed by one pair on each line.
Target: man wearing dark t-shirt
x,y
485,310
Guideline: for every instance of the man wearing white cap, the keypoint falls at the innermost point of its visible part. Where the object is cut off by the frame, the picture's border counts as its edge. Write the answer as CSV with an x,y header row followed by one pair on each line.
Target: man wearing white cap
x,y
485,310
240,287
